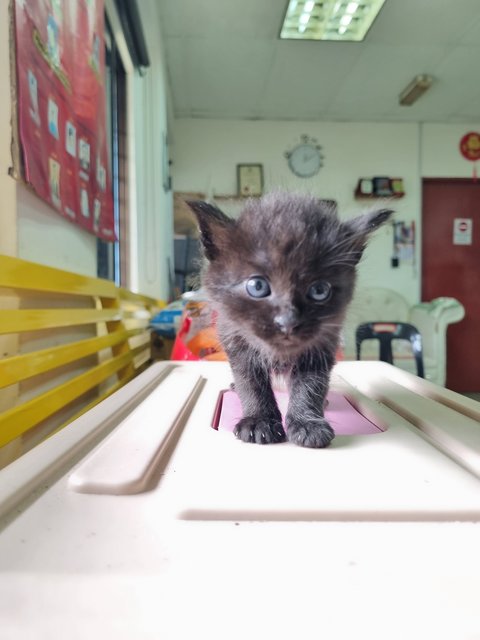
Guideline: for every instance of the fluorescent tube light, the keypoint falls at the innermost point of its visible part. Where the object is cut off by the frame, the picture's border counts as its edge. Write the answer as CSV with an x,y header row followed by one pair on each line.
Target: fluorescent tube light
x,y
415,89
329,19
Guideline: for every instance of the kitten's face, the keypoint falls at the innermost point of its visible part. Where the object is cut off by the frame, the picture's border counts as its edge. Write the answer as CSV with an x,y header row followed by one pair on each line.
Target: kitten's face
x,y
287,312
283,273
281,291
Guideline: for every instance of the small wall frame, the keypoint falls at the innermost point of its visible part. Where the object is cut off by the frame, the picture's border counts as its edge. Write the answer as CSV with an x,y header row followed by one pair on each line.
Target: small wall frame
x,y
249,179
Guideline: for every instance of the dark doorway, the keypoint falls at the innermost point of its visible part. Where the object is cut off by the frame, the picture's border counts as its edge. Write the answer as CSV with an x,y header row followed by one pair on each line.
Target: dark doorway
x,y
451,267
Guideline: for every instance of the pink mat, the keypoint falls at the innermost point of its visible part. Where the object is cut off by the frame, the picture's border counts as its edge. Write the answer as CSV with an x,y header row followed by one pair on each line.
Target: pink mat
x,y
343,417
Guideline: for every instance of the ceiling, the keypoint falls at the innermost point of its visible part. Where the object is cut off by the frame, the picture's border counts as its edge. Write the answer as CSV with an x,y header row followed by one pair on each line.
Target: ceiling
x,y
225,60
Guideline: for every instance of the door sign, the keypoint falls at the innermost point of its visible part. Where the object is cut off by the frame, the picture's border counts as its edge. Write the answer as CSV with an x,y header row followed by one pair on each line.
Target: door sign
x,y
462,230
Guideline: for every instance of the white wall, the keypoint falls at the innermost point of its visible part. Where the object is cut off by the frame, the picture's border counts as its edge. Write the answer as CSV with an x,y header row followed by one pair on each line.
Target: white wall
x,y
154,206
8,227
441,157
206,153
48,238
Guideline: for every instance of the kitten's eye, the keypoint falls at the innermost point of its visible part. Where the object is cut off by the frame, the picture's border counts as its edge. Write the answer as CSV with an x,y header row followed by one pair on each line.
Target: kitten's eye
x,y
320,291
258,287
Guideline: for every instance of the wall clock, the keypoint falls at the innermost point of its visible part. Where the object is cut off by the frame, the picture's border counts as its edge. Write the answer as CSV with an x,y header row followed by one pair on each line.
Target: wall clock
x,y
305,159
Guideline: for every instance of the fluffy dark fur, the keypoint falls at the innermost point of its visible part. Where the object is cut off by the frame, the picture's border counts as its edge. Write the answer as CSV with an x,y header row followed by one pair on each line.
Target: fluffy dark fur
x,y
280,278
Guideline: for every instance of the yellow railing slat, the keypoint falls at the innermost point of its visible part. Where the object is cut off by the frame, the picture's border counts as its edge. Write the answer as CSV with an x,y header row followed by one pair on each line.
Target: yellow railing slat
x,y
22,367
21,274
122,314
118,385
14,320
140,299
18,420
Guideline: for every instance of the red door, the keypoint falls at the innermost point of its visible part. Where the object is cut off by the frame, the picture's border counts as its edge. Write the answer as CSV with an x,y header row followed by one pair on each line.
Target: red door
x,y
450,268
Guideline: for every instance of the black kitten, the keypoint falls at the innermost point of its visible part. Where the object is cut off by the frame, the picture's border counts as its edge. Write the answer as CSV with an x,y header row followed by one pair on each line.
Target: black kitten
x,y
280,278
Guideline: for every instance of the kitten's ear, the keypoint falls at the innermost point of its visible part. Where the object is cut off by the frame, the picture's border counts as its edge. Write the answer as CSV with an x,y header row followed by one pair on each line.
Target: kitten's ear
x,y
359,229
214,225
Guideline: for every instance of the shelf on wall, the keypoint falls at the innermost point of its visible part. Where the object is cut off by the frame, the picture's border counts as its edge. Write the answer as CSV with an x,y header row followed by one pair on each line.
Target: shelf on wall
x,y
233,196
392,186
373,196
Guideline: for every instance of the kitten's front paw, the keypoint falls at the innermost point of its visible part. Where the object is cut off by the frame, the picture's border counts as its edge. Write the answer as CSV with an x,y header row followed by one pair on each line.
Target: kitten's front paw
x,y
312,433
260,430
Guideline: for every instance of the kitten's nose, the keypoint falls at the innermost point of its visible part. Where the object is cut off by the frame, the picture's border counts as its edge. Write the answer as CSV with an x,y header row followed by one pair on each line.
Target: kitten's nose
x,y
286,321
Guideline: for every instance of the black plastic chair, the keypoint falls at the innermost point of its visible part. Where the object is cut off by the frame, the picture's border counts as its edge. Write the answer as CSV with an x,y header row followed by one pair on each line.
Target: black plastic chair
x,y
385,332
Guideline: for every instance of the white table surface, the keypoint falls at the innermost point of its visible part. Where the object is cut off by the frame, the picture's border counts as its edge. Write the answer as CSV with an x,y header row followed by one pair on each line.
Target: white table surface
x,y
140,521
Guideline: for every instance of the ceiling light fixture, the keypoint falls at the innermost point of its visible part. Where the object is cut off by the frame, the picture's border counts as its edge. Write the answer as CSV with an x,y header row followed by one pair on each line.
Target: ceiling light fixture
x,y
329,19
415,89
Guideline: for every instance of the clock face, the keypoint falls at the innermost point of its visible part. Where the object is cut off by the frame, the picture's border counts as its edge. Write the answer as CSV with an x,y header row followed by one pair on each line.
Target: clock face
x,y
305,160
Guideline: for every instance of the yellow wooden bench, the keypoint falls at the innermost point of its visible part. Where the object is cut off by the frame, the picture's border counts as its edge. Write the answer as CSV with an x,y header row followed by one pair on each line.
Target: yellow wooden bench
x,y
66,342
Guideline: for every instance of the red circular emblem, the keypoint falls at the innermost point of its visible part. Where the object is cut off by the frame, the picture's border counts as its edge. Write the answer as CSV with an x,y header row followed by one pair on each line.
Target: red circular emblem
x,y
470,146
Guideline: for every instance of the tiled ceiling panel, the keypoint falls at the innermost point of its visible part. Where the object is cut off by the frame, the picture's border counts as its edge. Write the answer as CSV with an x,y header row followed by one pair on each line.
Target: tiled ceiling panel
x,y
313,73
225,60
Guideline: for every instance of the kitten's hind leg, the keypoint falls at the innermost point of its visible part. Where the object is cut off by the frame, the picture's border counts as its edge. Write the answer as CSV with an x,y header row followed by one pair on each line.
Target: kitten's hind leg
x,y
305,422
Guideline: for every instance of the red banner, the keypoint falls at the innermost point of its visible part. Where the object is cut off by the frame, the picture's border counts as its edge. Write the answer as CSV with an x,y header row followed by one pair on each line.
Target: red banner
x,y
61,104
